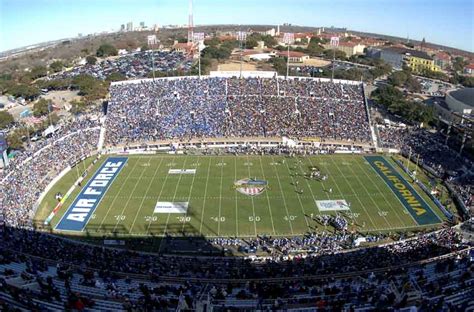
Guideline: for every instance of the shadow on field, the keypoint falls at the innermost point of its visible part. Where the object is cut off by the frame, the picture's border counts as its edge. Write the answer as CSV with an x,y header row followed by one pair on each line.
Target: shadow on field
x,y
172,238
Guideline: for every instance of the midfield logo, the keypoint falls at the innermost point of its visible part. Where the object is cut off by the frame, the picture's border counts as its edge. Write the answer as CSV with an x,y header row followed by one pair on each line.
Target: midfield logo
x,y
251,187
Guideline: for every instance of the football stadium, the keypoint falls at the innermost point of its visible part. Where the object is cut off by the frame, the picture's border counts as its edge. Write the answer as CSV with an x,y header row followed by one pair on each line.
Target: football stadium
x,y
137,176
235,189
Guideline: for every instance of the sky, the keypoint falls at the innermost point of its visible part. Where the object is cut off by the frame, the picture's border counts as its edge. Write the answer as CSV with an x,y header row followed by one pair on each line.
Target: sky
x,y
446,22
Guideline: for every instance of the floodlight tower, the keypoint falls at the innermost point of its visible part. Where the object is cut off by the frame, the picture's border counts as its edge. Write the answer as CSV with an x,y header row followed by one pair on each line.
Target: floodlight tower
x,y
190,23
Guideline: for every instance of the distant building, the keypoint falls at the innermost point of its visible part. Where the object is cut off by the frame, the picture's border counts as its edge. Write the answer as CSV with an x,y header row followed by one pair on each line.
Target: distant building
x,y
442,59
461,101
270,32
142,24
129,26
294,56
185,48
417,61
392,56
301,36
122,27
469,69
350,48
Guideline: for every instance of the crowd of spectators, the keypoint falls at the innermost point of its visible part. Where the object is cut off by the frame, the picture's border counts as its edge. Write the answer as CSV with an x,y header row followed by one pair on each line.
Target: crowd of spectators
x,y
325,261
134,65
443,284
32,170
221,108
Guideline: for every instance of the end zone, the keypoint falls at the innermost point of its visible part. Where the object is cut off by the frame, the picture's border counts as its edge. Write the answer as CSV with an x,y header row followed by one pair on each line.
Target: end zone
x,y
408,196
78,214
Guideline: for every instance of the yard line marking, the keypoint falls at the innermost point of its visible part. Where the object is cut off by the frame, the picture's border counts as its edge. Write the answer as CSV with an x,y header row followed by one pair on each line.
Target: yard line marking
x,y
189,199
220,203
159,197
268,198
394,209
146,193
205,195
284,200
371,198
174,196
130,197
299,198
357,197
236,204
117,195
253,203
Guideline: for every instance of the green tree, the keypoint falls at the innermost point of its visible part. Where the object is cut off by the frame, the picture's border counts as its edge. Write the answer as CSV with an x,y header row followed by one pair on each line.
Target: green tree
x,y
5,85
230,44
105,50
56,66
26,91
459,63
339,55
145,47
412,84
216,53
279,64
42,107
251,43
55,84
214,41
38,72
380,69
398,78
466,81
435,75
6,119
90,87
91,60
77,107
269,41
14,139
314,47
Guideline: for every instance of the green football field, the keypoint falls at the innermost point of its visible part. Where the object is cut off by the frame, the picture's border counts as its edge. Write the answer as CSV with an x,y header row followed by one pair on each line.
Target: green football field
x,y
217,206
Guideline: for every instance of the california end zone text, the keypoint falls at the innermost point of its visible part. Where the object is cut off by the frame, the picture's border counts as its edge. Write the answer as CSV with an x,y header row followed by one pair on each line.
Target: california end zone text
x,y
413,202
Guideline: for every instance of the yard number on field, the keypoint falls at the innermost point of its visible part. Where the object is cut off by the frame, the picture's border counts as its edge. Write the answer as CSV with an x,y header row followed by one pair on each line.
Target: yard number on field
x,y
254,218
218,219
119,217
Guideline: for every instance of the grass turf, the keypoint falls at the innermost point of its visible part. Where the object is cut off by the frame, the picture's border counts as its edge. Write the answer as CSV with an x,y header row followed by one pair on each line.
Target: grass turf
x,y
216,209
